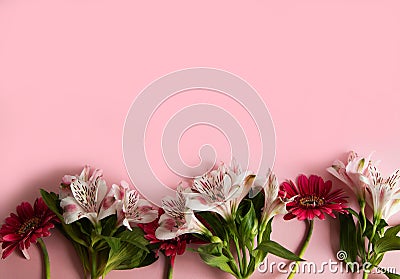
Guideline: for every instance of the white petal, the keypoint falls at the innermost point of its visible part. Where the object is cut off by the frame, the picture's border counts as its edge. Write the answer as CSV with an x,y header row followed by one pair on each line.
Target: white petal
x,y
165,234
258,184
80,190
25,253
227,184
148,217
85,173
72,209
101,191
106,212
126,224
197,202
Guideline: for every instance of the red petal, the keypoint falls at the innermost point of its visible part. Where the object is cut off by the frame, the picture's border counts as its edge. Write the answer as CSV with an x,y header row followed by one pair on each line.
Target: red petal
x,y
25,210
11,237
8,250
303,185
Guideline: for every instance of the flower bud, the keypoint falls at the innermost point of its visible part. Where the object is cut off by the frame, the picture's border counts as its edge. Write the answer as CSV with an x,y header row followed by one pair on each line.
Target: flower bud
x,y
216,239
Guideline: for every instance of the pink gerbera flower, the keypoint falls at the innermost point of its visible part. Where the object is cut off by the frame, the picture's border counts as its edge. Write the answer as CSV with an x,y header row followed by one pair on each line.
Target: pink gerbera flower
x,y
312,197
26,227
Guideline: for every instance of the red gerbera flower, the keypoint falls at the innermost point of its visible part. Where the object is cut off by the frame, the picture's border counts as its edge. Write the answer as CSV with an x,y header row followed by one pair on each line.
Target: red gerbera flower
x,y
312,197
25,227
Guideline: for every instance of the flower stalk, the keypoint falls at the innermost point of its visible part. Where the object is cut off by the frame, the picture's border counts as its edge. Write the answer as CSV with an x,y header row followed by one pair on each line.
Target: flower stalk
x,y
93,267
170,268
46,261
310,227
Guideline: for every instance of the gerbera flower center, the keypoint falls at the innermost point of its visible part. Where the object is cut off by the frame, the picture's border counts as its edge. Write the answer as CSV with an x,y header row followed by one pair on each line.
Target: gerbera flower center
x,y
311,201
28,225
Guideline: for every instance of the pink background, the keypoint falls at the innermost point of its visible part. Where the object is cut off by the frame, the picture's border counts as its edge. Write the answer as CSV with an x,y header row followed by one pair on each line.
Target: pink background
x,y
328,71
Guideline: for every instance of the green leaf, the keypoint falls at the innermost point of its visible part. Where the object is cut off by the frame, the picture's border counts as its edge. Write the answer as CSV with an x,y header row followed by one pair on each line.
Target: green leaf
x,y
275,248
355,214
388,274
212,255
113,242
71,231
83,255
126,257
251,266
360,243
108,225
248,226
392,275
393,231
148,260
214,223
348,237
52,202
85,226
268,230
135,237
258,203
387,243
369,228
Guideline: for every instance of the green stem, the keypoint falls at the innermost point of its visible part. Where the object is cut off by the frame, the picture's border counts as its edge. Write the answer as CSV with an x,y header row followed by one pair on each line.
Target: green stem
x,y
376,223
238,254
303,248
170,268
93,270
362,209
45,258
365,275
244,258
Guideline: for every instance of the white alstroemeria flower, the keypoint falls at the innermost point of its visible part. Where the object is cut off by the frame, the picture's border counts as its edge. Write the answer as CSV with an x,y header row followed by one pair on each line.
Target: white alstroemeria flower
x,y
383,194
351,173
220,190
85,201
67,179
131,210
178,219
273,203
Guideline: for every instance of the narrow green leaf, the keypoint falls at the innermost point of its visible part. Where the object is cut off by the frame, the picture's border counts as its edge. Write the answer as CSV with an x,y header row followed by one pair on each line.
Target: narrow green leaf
x,y
52,202
275,248
212,255
393,231
108,224
214,223
268,230
348,237
148,260
248,226
355,214
258,203
113,242
388,274
387,243
134,237
126,257
392,275
360,243
369,229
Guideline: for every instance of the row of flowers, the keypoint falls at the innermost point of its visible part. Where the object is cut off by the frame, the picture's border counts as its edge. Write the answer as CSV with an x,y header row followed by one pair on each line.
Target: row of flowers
x,y
228,213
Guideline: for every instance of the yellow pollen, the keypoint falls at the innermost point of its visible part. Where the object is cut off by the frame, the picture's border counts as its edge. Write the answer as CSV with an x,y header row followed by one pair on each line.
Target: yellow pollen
x,y
311,201
28,225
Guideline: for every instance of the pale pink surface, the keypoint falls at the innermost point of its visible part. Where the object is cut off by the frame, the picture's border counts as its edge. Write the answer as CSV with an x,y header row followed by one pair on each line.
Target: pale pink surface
x,y
69,70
